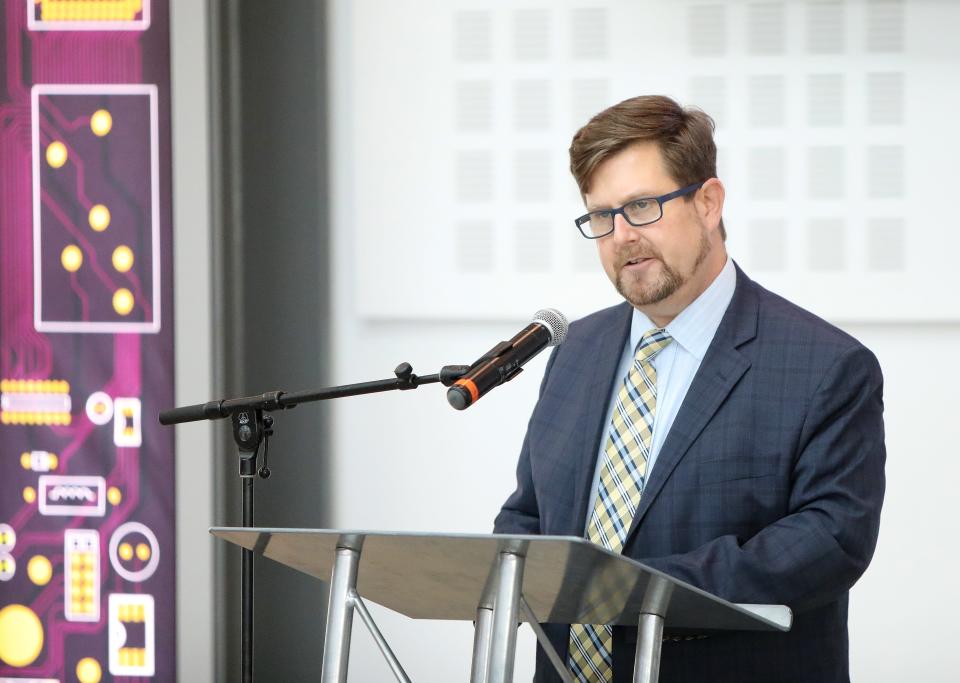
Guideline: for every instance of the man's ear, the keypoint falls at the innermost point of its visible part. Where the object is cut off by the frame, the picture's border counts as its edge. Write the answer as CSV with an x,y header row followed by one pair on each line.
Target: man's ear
x,y
709,201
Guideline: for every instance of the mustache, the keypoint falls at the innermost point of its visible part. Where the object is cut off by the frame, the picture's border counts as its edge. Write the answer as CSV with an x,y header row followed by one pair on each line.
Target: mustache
x,y
626,257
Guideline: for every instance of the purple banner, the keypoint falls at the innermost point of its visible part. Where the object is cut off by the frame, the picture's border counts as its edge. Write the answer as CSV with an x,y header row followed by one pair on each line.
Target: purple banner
x,y
87,565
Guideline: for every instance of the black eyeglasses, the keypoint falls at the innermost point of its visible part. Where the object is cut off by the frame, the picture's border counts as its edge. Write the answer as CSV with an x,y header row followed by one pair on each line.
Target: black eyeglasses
x,y
637,212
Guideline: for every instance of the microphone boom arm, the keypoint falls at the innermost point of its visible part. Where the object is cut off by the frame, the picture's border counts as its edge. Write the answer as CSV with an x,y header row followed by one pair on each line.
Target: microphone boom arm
x,y
281,400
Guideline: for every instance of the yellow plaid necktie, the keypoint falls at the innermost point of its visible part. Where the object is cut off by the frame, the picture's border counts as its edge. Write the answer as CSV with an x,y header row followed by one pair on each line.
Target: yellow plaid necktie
x,y
622,477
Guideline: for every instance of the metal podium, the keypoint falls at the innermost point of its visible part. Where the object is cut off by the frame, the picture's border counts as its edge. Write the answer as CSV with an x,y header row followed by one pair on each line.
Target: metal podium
x,y
497,582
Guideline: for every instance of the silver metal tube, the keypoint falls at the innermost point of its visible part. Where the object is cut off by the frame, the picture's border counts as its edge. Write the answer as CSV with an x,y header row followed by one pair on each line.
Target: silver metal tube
x,y
545,643
646,665
656,599
503,643
385,650
483,631
336,642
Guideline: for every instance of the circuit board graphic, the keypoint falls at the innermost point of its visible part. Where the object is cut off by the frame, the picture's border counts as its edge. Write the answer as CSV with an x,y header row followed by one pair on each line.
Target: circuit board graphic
x,y
87,565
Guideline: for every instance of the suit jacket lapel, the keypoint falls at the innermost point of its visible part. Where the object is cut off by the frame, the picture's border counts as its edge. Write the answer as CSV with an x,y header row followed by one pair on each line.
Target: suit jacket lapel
x,y
602,371
722,367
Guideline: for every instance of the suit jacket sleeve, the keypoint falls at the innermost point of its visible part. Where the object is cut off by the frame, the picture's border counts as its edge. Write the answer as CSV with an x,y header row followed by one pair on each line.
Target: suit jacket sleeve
x,y
520,513
828,533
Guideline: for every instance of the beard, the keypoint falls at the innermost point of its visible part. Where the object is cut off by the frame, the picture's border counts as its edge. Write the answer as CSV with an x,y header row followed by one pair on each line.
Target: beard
x,y
667,283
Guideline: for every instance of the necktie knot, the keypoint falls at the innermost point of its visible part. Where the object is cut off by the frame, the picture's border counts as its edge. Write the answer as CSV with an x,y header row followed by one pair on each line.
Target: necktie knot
x,y
652,343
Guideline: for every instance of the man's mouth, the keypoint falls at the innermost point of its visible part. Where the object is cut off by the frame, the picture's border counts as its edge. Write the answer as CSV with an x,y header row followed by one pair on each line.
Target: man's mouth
x,y
637,260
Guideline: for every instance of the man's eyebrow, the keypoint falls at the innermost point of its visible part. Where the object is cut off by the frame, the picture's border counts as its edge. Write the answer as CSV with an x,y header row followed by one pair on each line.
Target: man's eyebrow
x,y
644,194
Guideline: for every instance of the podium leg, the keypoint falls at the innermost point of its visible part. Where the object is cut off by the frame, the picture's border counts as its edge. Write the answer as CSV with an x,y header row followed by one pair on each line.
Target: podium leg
x,y
503,641
482,633
646,665
336,642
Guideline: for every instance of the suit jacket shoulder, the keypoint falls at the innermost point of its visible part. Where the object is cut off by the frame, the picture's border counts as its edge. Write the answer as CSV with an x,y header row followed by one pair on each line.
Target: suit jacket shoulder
x,y
801,344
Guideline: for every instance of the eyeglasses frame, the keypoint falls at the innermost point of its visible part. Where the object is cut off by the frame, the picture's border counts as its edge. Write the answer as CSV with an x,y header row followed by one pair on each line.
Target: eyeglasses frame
x,y
661,200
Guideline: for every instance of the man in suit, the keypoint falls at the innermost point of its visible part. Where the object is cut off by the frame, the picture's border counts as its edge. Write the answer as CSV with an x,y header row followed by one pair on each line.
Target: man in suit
x,y
705,427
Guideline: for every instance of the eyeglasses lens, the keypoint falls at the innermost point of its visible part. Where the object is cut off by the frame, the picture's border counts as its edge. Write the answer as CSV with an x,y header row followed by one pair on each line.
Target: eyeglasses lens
x,y
640,212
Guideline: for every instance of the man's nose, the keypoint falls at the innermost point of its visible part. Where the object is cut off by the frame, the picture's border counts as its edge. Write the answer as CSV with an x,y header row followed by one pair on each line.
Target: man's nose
x,y
623,232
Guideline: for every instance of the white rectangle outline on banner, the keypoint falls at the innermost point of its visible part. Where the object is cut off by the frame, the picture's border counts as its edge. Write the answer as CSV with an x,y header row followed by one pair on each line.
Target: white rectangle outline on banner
x,y
47,481
115,627
68,575
96,89
93,25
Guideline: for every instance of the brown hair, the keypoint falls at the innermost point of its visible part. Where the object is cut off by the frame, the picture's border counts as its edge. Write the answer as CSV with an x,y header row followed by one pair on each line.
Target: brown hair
x,y
684,136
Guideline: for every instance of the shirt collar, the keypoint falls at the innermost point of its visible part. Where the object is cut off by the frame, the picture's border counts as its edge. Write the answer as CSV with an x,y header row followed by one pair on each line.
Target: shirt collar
x,y
696,325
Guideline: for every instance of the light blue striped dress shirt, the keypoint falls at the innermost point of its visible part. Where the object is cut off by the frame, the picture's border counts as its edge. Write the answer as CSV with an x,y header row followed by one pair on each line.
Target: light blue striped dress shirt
x,y
676,365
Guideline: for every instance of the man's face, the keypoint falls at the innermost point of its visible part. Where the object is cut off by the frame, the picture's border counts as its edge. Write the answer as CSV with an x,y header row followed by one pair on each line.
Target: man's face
x,y
653,264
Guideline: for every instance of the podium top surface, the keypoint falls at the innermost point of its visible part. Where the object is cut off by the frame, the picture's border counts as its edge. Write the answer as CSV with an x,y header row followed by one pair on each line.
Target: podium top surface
x,y
565,579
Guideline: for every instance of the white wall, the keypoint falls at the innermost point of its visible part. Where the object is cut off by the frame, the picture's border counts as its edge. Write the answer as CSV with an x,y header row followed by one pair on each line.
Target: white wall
x,y
191,267
409,462
901,612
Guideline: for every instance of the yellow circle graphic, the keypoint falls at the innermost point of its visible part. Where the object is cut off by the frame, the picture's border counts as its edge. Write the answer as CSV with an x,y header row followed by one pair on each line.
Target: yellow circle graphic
x,y
72,258
99,217
25,461
88,670
40,570
125,551
114,495
29,494
143,552
101,122
123,301
21,635
123,258
56,154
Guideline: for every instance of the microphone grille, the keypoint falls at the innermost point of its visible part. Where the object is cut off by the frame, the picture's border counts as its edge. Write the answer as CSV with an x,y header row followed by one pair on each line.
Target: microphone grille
x,y
554,321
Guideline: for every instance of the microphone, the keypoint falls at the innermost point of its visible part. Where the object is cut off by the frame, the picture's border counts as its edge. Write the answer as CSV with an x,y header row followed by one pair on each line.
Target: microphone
x,y
502,363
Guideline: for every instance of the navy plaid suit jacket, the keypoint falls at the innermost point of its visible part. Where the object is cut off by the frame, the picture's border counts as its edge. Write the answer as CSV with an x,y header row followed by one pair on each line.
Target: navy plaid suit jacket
x,y
767,489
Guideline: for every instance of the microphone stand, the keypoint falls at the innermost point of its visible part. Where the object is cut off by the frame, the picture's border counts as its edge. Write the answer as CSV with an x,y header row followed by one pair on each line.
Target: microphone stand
x,y
252,429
